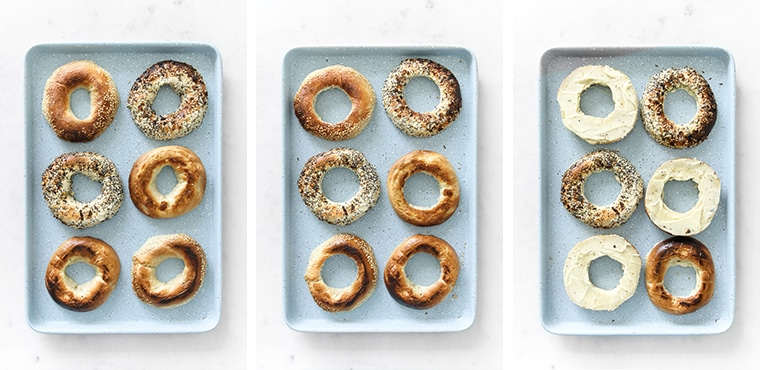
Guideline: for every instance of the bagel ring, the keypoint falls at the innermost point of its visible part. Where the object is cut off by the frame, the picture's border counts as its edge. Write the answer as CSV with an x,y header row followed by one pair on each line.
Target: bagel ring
x,y
620,210
350,81
436,165
339,213
680,251
186,194
578,285
659,126
415,123
598,130
187,82
59,195
405,291
89,295
56,102
342,299
700,216
181,288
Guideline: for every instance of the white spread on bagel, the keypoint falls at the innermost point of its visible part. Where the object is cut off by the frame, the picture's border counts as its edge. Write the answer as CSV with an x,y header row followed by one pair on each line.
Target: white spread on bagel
x,y
698,217
578,285
598,130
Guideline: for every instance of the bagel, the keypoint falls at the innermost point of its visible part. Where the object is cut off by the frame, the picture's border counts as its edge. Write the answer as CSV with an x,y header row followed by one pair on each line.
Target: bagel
x,y
620,210
410,294
178,290
420,124
700,216
578,285
59,195
186,194
350,81
436,165
342,299
187,82
680,251
89,295
659,126
598,130
56,101
339,213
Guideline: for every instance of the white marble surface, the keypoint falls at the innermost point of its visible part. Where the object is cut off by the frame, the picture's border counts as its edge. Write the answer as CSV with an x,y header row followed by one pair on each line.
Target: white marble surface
x,y
540,25
220,23
282,25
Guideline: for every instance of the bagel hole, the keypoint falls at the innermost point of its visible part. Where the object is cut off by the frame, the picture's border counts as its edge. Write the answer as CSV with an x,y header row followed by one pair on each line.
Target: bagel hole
x,y
602,188
681,279
339,271
605,273
597,101
85,189
80,272
333,105
166,180
167,101
79,101
680,107
340,184
169,268
422,94
421,190
423,269
680,196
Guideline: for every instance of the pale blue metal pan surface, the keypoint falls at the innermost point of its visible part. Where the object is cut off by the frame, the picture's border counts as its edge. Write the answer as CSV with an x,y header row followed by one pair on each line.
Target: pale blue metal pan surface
x,y
123,143
382,143
560,231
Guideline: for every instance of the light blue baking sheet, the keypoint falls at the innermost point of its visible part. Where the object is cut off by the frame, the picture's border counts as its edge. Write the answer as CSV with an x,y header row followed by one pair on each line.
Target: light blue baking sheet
x,y
123,143
382,143
560,231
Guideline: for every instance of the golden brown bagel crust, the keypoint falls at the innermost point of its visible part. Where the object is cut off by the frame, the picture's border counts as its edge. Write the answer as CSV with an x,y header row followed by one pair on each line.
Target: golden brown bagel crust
x,y
407,292
186,195
59,195
433,164
659,126
339,213
180,289
680,250
353,83
89,295
420,124
575,201
187,82
56,104
344,299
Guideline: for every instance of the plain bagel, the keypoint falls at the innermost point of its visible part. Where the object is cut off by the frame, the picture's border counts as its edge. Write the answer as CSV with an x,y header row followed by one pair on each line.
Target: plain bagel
x,y
333,299
435,165
186,194
680,251
93,293
181,288
56,102
407,292
350,81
